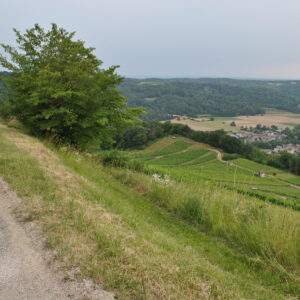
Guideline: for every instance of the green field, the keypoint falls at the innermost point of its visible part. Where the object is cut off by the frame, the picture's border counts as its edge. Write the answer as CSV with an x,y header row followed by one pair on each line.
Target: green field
x,y
290,124
196,163
226,118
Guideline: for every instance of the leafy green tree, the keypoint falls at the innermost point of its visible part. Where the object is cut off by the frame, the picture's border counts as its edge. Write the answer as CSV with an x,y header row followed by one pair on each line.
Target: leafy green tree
x,y
58,89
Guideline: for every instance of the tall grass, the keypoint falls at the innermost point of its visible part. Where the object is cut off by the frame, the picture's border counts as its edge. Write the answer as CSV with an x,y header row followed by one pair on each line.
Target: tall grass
x,y
269,231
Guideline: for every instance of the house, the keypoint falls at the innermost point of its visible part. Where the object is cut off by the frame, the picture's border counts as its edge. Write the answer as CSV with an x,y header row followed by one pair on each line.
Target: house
x,y
260,173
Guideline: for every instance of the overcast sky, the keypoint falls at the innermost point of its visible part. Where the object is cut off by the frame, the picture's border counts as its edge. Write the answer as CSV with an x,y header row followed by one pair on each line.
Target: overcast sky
x,y
174,38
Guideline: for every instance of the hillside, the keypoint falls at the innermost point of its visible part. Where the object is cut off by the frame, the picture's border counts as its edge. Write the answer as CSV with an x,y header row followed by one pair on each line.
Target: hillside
x,y
218,97
145,238
193,162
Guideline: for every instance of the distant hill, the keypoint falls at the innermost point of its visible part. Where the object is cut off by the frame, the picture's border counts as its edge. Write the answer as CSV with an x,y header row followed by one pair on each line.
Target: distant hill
x,y
220,97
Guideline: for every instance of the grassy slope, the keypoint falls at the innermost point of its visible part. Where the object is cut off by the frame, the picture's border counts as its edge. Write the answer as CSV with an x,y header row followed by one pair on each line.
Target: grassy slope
x,y
123,239
194,166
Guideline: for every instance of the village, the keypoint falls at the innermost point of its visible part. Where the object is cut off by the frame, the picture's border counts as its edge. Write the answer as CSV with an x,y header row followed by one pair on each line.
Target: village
x,y
264,136
290,148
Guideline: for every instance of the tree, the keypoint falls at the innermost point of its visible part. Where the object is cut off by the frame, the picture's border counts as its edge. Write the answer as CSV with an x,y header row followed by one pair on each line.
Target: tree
x,y
58,89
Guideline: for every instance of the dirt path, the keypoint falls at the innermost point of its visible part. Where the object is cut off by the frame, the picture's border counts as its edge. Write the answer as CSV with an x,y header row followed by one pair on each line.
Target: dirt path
x,y
24,273
219,155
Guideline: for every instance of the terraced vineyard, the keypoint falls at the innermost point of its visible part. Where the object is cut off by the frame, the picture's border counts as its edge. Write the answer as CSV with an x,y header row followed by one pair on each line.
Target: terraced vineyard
x,y
194,162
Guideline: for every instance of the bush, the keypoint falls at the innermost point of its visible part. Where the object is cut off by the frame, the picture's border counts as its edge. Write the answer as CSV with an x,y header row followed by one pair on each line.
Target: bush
x,y
5,110
119,159
114,158
231,156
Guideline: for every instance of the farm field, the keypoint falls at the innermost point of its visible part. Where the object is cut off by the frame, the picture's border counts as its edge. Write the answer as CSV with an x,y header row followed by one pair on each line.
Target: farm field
x,y
194,163
279,118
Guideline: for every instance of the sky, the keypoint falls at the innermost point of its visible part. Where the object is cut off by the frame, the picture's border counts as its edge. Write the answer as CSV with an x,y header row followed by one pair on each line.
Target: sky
x,y
174,38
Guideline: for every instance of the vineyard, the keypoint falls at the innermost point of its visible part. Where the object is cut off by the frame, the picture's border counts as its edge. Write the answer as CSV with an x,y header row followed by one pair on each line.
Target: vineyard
x,y
193,162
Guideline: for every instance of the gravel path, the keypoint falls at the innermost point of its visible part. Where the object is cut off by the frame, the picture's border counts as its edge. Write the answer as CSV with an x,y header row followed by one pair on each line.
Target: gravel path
x,y
24,273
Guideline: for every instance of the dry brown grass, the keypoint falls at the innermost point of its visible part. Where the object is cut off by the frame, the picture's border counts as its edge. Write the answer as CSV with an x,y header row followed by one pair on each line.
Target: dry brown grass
x,y
268,120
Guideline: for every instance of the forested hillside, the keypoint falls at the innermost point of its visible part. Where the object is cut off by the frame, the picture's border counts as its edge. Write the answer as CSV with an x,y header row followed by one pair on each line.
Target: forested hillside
x,y
222,97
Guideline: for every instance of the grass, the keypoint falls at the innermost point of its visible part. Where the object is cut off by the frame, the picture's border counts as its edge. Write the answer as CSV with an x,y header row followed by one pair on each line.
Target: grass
x,y
202,205
212,125
278,187
202,159
144,239
173,148
276,173
225,118
179,158
290,124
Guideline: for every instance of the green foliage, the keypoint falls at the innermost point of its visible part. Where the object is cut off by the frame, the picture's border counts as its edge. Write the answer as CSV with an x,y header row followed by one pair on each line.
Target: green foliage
x,y
57,88
231,156
118,159
113,158
140,135
5,110
217,97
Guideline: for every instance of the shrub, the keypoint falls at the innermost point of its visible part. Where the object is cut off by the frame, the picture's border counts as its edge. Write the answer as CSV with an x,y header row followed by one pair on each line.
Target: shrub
x,y
231,156
113,158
